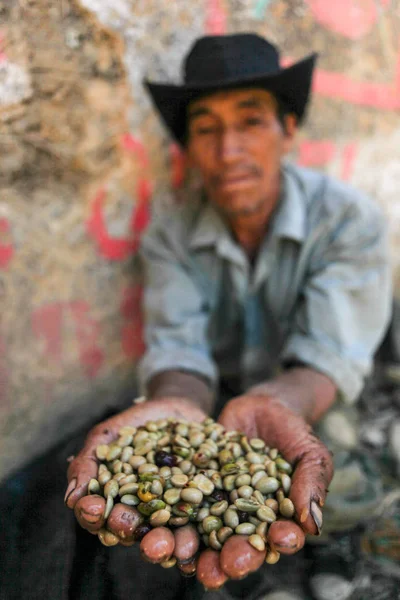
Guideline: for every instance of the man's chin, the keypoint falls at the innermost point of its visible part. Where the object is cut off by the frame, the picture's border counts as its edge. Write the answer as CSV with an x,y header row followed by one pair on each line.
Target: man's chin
x,y
241,208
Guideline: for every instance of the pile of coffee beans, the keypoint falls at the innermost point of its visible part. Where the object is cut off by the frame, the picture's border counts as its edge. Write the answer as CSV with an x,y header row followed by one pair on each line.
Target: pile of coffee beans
x,y
177,472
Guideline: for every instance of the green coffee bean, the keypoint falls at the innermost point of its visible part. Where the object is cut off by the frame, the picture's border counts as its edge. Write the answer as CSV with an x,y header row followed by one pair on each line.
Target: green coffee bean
x,y
93,487
111,489
224,533
129,488
245,528
247,505
214,541
257,542
231,518
245,491
135,461
159,517
283,465
219,508
192,495
264,513
286,508
172,496
130,500
257,444
102,451
210,523
203,513
267,485
244,479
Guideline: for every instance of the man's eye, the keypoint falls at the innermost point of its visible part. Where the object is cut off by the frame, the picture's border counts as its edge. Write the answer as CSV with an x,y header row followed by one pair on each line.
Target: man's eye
x,y
206,130
253,121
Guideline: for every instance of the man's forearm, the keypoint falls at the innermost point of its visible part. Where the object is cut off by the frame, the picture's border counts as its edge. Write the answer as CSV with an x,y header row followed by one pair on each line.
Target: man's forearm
x,y
302,389
181,384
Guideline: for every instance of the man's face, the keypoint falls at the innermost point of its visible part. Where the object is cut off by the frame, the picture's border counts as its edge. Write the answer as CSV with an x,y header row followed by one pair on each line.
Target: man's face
x,y
236,141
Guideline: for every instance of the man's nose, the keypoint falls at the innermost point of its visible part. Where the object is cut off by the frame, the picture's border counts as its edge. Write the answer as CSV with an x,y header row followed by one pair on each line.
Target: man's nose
x,y
231,145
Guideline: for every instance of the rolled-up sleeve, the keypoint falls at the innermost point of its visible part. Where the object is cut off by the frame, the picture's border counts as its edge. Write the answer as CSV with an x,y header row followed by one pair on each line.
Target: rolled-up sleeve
x,y
176,316
346,303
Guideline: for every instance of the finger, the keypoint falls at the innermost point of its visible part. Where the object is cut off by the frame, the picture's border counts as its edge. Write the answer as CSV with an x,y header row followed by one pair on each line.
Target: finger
x,y
85,466
239,558
123,522
209,571
309,488
89,512
80,472
186,542
286,536
158,545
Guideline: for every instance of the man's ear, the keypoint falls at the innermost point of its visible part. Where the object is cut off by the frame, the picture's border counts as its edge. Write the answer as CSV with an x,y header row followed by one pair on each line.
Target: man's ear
x,y
289,132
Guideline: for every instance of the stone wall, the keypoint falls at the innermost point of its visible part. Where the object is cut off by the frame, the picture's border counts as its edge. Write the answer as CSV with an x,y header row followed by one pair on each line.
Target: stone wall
x,y
84,159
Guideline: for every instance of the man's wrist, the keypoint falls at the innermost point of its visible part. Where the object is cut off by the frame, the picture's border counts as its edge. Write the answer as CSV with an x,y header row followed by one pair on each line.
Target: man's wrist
x,y
302,389
182,384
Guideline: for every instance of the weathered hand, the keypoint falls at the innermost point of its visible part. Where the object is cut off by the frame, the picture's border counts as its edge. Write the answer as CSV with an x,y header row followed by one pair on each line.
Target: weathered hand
x,y
85,465
158,544
279,427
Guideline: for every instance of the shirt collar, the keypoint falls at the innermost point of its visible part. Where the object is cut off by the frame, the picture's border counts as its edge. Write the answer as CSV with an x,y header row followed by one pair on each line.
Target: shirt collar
x,y
289,220
208,229
211,230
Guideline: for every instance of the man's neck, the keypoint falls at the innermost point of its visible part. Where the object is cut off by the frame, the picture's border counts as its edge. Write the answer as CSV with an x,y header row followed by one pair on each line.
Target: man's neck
x,y
250,230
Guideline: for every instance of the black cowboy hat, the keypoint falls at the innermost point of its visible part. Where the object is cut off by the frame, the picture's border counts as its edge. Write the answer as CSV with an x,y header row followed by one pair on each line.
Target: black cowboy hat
x,y
227,62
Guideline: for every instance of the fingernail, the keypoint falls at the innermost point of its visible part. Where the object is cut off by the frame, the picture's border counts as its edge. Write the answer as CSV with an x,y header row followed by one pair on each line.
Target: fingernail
x,y
70,488
316,514
304,515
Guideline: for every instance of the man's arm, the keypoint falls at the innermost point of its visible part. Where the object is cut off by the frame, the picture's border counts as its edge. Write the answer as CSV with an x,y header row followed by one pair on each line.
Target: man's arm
x,y
305,391
178,361
341,316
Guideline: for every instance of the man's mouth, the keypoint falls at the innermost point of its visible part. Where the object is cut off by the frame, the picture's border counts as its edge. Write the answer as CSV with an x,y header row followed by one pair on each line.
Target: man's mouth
x,y
236,180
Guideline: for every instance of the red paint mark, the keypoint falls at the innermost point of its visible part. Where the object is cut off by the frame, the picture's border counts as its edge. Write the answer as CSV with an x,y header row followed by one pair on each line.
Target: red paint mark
x,y
132,332
141,214
385,96
377,95
114,248
315,153
215,23
48,322
178,166
348,158
6,248
87,334
318,153
109,247
134,146
350,18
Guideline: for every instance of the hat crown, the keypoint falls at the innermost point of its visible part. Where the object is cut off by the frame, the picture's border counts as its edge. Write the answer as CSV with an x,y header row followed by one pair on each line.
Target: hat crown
x,y
220,58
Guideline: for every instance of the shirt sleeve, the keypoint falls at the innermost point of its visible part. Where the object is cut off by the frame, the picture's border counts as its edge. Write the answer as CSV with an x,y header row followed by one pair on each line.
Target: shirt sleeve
x,y
175,314
346,303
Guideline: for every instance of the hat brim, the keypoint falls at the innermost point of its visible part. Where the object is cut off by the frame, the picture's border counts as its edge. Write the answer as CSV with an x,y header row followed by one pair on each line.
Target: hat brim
x,y
292,85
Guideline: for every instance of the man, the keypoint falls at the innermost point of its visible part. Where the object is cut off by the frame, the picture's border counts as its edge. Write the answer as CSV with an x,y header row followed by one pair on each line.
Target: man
x,y
267,295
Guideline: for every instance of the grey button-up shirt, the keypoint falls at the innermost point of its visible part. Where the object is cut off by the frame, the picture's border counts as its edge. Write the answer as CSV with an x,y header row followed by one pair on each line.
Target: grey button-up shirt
x,y
319,291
